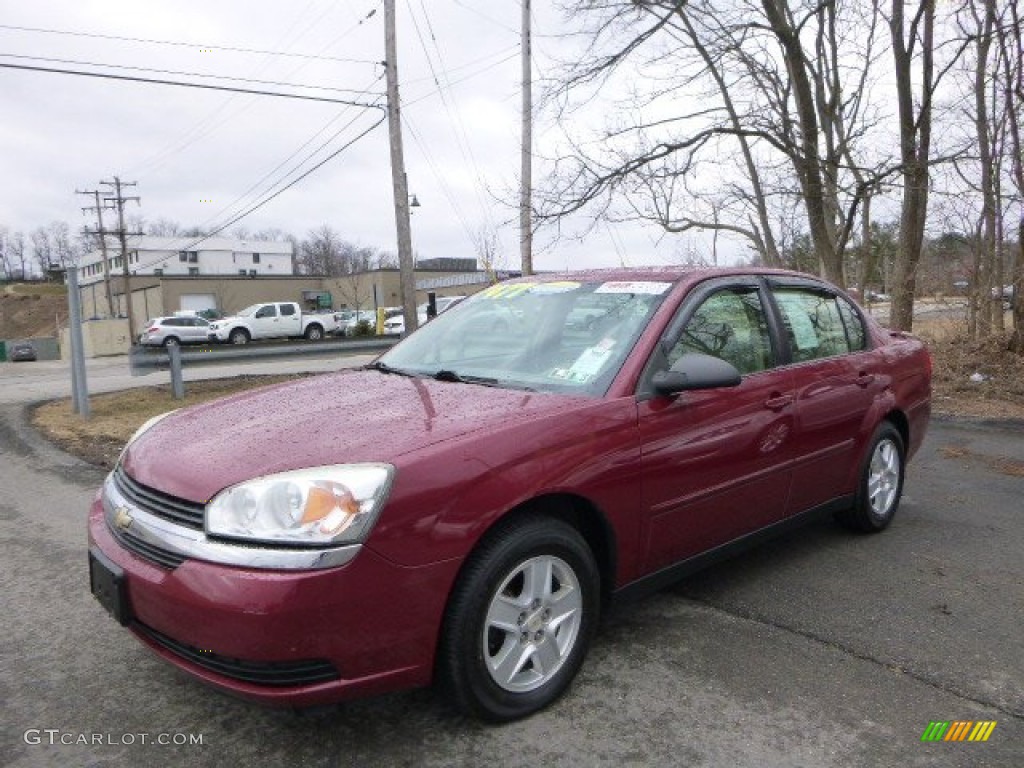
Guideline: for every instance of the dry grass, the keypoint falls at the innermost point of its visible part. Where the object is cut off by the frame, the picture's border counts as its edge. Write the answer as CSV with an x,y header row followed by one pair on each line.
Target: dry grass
x,y
115,416
958,358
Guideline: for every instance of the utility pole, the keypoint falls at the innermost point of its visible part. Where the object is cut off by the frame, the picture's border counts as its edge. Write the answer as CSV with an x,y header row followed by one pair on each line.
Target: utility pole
x,y
526,183
406,269
102,236
118,201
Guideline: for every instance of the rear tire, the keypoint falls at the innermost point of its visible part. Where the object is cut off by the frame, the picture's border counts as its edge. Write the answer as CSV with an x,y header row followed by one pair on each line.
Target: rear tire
x,y
314,333
520,619
881,483
239,336
171,341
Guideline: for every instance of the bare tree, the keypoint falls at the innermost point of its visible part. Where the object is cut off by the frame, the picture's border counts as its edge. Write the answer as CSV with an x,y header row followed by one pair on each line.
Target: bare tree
x,y
17,256
356,290
1011,47
42,248
913,50
749,103
64,252
163,227
6,265
488,250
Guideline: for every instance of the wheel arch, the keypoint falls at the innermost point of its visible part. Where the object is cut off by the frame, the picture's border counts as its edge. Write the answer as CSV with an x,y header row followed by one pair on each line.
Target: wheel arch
x,y
899,420
574,510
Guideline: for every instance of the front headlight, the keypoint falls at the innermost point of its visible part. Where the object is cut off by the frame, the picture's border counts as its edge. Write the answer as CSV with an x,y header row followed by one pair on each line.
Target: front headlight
x,y
323,505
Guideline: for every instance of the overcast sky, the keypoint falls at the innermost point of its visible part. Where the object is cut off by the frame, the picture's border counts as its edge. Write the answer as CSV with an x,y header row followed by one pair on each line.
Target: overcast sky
x,y
201,157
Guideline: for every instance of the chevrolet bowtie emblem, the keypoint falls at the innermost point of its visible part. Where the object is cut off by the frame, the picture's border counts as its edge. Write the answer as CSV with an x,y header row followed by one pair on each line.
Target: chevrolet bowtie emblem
x,y
122,519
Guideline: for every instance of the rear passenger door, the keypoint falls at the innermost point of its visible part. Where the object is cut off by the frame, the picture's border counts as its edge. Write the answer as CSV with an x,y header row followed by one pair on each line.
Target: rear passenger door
x,y
290,323
836,378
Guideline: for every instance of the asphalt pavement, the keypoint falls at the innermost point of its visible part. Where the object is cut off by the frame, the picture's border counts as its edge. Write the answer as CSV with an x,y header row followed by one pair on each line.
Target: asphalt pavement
x,y
821,648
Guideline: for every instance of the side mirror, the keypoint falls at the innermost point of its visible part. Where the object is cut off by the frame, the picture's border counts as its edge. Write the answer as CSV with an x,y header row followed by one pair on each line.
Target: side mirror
x,y
696,371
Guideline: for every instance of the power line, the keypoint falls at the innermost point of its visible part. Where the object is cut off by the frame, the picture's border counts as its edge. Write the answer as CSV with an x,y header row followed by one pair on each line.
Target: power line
x,y
461,135
294,169
203,86
187,45
179,72
256,206
224,112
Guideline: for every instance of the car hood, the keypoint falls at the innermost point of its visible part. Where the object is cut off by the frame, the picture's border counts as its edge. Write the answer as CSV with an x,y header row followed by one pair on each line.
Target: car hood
x,y
362,416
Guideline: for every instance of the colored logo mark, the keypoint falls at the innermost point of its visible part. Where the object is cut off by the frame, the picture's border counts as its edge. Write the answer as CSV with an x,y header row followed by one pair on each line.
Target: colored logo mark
x,y
958,730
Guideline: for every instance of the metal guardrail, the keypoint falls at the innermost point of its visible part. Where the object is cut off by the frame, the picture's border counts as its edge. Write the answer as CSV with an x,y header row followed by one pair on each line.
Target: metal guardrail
x,y
144,360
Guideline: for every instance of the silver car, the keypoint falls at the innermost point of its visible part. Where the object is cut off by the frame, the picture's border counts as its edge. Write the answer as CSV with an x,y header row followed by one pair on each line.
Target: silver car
x,y
172,331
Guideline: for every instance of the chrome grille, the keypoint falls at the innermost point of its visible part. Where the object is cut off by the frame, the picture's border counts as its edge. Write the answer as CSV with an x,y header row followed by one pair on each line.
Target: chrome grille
x,y
171,508
145,550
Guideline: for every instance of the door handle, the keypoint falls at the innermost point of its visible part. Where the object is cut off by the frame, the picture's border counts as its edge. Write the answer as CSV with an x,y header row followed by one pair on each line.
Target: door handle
x,y
864,378
777,402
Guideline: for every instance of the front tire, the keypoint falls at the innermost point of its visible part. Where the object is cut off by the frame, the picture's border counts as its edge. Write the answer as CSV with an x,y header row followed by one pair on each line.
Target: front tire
x,y
239,336
881,483
520,619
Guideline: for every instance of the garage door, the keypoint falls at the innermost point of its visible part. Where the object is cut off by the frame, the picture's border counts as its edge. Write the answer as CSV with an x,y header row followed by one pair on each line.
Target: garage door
x,y
197,302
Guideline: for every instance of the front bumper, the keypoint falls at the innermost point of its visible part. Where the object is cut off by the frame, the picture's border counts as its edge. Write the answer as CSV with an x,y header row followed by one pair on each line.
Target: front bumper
x,y
255,633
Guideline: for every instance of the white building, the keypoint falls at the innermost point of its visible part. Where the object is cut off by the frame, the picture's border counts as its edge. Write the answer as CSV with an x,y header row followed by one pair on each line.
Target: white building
x,y
149,255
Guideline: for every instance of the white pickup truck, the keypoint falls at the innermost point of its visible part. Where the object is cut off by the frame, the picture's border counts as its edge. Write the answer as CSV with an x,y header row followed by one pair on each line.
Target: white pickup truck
x,y
271,320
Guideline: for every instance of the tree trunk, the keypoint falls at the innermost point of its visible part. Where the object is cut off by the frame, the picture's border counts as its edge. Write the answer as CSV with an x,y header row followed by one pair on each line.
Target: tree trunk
x,y
915,145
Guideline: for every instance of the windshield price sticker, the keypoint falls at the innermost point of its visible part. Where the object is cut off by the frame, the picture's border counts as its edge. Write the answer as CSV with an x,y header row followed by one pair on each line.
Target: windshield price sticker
x,y
634,286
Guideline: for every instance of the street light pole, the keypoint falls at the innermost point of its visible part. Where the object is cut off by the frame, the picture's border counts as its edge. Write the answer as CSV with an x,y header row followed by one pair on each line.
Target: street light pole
x,y
400,186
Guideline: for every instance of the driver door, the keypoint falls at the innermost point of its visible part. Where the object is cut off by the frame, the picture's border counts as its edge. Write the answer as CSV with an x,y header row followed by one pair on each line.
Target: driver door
x,y
717,463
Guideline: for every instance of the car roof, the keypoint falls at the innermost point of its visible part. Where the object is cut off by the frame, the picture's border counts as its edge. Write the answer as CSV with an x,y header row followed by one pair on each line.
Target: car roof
x,y
658,273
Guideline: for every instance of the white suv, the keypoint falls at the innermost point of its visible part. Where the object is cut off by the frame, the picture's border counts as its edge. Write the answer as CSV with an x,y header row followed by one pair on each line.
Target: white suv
x,y
397,324
172,331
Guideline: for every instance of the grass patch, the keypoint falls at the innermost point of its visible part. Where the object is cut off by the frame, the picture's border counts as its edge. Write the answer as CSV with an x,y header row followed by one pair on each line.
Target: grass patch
x,y
38,289
115,416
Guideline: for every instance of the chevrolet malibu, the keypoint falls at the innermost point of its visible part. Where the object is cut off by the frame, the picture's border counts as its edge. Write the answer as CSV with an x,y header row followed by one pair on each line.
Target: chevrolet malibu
x,y
463,509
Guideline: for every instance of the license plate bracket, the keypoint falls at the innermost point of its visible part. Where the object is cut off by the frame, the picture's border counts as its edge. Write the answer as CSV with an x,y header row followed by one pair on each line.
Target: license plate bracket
x,y
107,582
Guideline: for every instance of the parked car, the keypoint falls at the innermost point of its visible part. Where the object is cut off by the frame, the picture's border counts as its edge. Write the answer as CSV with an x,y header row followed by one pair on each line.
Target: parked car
x,y
21,352
172,331
347,320
396,325
271,320
462,509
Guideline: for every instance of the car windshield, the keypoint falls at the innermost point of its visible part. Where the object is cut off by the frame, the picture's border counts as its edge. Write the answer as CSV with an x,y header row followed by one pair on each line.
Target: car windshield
x,y
248,310
569,337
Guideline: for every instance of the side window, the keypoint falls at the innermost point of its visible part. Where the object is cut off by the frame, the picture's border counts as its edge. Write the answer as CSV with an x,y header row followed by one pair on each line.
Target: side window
x,y
855,332
730,325
267,311
287,310
813,323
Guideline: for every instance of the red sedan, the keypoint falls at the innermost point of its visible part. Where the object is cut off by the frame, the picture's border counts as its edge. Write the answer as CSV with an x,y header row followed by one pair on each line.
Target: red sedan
x,y
462,510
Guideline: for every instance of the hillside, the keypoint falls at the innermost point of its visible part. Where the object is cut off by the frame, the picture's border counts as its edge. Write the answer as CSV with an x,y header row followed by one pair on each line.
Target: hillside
x,y
30,310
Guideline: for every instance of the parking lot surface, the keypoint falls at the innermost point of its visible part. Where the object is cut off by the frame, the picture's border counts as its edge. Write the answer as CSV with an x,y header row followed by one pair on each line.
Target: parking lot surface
x,y
821,648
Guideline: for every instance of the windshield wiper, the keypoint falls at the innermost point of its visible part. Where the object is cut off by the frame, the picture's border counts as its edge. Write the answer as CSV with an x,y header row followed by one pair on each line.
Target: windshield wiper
x,y
377,365
447,375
